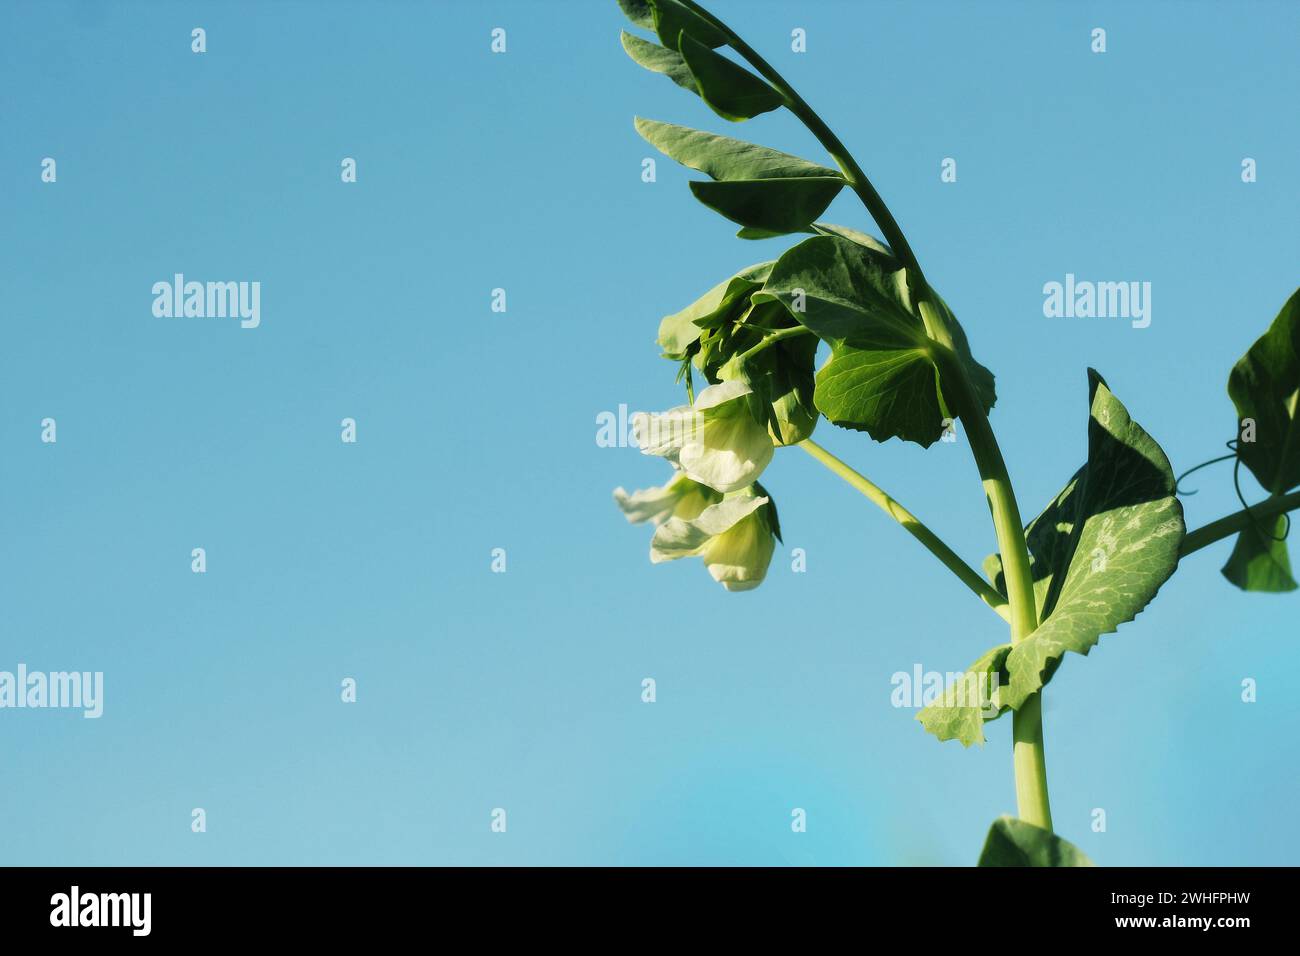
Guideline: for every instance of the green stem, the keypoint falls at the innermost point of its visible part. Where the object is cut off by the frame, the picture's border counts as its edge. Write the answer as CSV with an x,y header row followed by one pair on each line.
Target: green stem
x,y
772,338
1238,521
1027,730
1028,756
912,525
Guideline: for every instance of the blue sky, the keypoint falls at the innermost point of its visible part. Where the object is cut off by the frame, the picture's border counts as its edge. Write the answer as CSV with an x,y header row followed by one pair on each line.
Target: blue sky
x,y
476,430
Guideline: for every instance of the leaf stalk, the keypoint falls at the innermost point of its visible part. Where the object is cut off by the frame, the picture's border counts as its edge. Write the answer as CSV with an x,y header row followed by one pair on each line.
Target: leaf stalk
x,y
913,526
1238,521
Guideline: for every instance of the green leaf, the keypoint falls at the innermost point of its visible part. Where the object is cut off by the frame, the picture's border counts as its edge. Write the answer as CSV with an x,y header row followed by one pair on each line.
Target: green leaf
x,y
726,159
981,378
1260,563
654,57
728,88
1013,842
969,702
778,206
1101,550
671,20
1265,387
759,188
753,232
853,235
640,12
881,377
679,331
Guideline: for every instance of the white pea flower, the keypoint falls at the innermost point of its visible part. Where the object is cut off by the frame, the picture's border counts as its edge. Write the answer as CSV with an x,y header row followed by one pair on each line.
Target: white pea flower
x,y
679,498
716,441
734,537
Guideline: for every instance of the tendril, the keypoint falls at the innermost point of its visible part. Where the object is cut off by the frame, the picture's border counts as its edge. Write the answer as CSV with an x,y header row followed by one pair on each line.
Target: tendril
x,y
1266,535
1233,446
1178,482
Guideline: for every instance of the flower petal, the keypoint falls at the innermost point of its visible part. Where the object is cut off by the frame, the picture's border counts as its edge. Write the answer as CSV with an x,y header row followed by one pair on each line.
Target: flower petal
x,y
729,452
647,504
681,537
716,395
738,558
680,496
664,433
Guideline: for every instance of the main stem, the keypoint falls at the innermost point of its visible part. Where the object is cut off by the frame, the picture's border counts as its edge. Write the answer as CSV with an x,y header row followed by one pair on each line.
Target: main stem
x,y
1028,755
1027,723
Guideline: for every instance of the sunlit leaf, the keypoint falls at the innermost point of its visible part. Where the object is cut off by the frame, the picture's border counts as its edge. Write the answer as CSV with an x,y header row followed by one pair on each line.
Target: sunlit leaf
x,y
654,57
1101,550
968,703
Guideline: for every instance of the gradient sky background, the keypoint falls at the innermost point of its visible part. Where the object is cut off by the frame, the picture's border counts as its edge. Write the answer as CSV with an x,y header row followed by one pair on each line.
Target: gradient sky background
x,y
477,430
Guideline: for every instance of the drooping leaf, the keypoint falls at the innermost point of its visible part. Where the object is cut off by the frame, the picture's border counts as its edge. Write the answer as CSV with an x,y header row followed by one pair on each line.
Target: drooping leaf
x,y
640,12
778,206
659,59
1101,550
1259,560
671,20
726,87
881,377
759,188
1013,842
679,331
969,702
1265,387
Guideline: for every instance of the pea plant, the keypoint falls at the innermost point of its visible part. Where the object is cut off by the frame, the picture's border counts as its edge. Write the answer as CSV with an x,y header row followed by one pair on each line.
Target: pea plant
x,y
900,366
